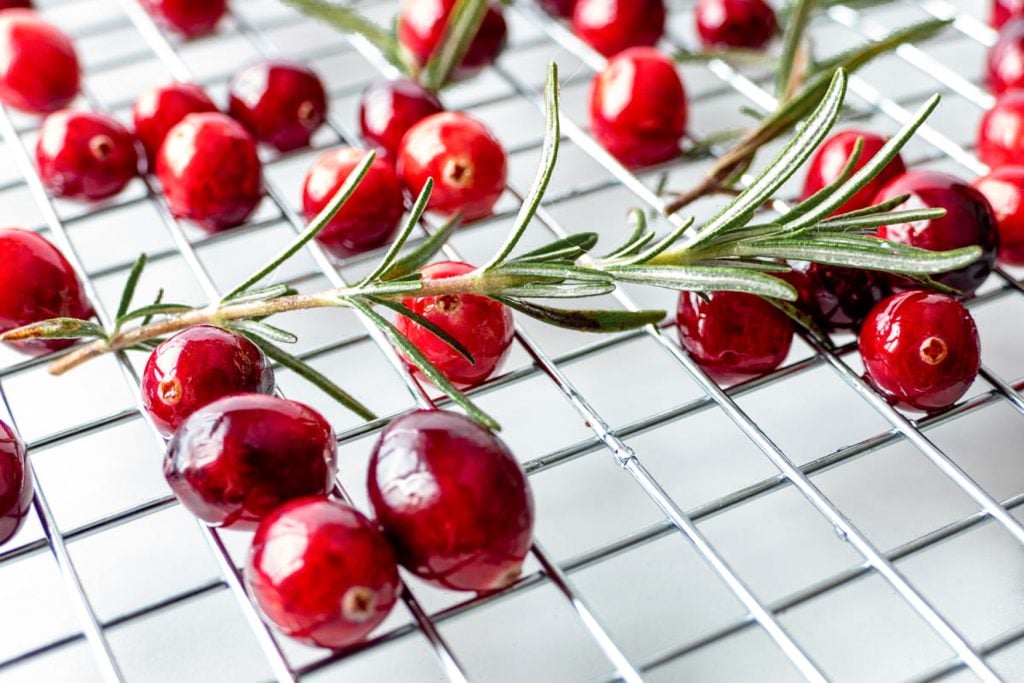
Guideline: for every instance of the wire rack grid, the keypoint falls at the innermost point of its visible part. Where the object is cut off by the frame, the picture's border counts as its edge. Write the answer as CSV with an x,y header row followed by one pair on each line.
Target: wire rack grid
x,y
793,527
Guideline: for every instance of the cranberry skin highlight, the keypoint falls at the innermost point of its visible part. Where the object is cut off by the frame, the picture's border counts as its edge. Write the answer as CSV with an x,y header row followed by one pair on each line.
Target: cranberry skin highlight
x,y
611,26
322,573
735,23
1004,190
831,158
189,18
388,109
281,103
81,155
421,26
452,500
1004,67
15,484
1004,10
160,109
39,70
232,462
1001,131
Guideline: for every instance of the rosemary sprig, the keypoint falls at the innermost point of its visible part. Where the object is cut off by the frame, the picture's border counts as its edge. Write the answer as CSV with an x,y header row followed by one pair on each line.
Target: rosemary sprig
x,y
460,29
350,21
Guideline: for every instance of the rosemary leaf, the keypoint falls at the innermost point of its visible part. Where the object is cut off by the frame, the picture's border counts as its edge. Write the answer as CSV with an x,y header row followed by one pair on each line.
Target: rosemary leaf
x,y
824,193
887,205
262,294
128,293
147,312
265,330
569,248
421,255
920,261
797,16
461,27
731,55
586,321
707,279
876,220
415,214
554,271
350,21
571,290
662,245
438,331
56,328
638,239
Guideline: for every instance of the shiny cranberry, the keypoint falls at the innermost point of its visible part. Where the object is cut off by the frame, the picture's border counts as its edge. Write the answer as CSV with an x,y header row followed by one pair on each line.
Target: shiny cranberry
x,y
1004,10
968,221
1005,63
15,484
235,460
281,103
466,161
210,171
388,109
81,155
1001,132
842,297
735,23
611,26
370,216
8,4
39,70
452,500
37,283
1004,190
920,350
484,326
638,107
558,8
196,367
831,158
190,18
159,109
322,573
421,27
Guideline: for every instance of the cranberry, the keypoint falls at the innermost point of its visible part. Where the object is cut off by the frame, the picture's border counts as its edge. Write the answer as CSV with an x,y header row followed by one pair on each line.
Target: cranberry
x,y
920,350
388,109
210,171
1004,10
831,158
1001,132
968,221
39,70
842,297
452,500
466,161
735,23
190,18
611,26
81,155
159,109
638,107
370,216
235,460
421,27
15,484
484,326
322,572
1004,190
281,103
196,367
37,283
558,8
8,4
1005,63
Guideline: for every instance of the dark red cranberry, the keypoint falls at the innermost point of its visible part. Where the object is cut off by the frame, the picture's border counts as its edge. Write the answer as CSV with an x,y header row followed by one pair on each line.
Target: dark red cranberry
x,y
1005,64
190,18
421,26
196,367
281,103
15,484
484,326
638,107
452,500
468,164
388,109
37,283
1004,190
842,297
968,221
39,70
829,161
1001,132
735,23
1004,10
558,8
370,216
8,4
235,460
920,350
322,573
82,155
210,171
159,109
611,26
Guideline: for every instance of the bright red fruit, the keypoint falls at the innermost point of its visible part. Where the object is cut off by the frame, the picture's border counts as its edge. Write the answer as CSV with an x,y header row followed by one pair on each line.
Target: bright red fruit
x,y
388,109
1004,10
15,484
1005,63
611,26
39,70
232,462
281,103
82,155
484,326
921,350
468,164
1004,190
638,107
160,109
735,23
421,26
1001,132
558,8
322,573
828,162
8,4
190,18
452,500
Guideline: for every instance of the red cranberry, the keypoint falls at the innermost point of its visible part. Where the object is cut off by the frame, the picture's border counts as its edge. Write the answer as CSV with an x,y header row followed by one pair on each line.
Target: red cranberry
x,y
638,107
1001,132
210,171
196,367
281,103
1004,10
1004,190
39,70
190,18
322,572
421,26
160,109
37,283
452,500
81,155
842,297
466,161
1005,63
611,26
735,23
15,484
920,350
968,221
235,460
484,326
558,8
830,159
8,4
388,109
370,216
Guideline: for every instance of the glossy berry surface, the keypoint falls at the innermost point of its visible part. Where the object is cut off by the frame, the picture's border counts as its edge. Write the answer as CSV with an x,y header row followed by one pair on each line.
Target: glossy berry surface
x,y
39,70
281,103
388,109
196,367
82,155
1004,10
421,26
1001,131
322,573
484,326
1005,64
638,107
15,484
370,216
210,171
558,8
920,350
452,500
841,298
1004,190
828,163
735,23
468,164
160,109
235,460
37,283
189,18
968,221
733,336
611,26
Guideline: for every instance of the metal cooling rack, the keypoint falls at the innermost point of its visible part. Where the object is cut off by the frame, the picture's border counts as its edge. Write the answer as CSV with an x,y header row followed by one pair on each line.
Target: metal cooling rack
x,y
792,527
